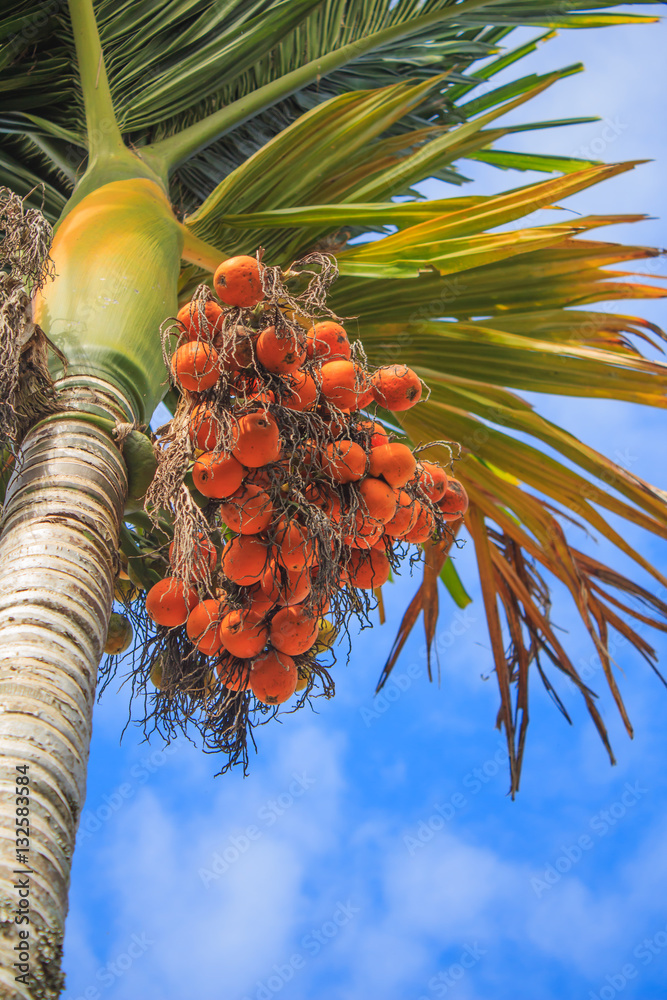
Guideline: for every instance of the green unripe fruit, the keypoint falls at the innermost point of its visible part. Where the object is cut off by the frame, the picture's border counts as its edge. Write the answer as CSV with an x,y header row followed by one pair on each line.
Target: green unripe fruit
x,y
119,635
141,465
157,673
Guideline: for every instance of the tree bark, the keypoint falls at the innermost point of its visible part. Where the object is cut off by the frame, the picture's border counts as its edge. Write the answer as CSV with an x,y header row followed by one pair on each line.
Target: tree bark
x,y
58,552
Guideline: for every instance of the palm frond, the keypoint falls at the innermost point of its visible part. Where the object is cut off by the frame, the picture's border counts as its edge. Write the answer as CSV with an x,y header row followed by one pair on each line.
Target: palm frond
x,y
171,65
315,159
335,152
458,216
489,317
571,274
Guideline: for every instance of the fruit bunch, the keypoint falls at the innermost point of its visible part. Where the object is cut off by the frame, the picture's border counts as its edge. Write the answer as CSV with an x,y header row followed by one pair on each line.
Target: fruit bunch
x,y
290,500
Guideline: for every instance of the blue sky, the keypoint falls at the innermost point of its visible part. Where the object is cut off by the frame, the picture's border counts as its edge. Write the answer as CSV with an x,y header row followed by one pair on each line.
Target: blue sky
x,y
373,850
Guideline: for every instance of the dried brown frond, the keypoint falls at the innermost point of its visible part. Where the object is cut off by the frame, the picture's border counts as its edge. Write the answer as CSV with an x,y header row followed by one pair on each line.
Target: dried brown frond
x,y
25,239
26,387
426,600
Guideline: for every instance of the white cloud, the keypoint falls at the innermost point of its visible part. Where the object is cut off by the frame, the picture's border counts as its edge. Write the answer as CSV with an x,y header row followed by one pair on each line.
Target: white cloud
x,y
219,893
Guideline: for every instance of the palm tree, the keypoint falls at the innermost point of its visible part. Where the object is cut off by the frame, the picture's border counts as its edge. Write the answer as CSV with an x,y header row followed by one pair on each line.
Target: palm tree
x,y
159,138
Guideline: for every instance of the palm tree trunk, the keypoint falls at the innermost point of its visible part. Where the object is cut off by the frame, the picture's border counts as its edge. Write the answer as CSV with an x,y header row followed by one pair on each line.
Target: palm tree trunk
x,y
57,566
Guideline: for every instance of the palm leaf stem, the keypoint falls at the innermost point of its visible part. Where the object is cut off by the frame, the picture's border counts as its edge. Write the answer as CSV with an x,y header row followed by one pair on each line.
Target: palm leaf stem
x,y
109,159
102,129
168,154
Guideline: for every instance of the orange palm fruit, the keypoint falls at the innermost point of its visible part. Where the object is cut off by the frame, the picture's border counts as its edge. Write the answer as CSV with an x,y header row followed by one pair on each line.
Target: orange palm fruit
x,y
195,366
238,353
205,557
189,316
454,503
405,517
293,590
337,421
202,627
424,525
233,673
248,510
379,436
396,387
328,341
260,399
333,507
257,440
243,383
169,602
377,433
244,559
344,461
342,383
378,498
217,476
366,534
273,678
308,452
433,480
302,393
321,606
368,570
281,355
241,636
295,548
203,428
366,394
259,477
238,282
293,631
259,604
324,497
395,462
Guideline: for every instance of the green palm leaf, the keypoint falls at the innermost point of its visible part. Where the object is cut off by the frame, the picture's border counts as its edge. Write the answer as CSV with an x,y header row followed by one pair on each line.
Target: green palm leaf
x,y
171,65
295,125
335,152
